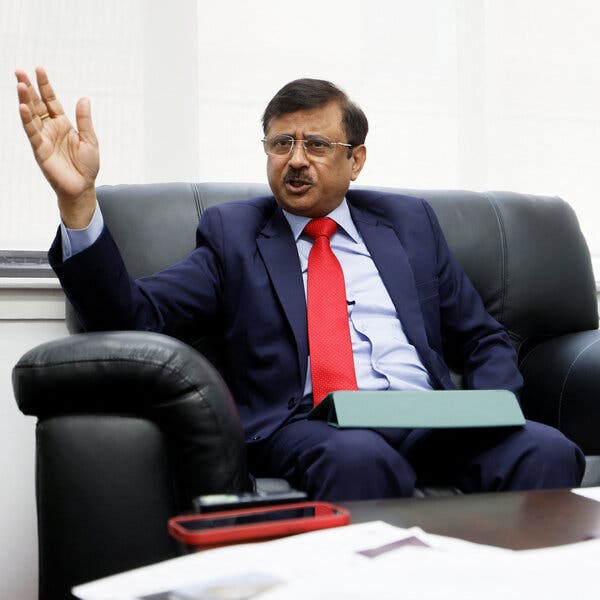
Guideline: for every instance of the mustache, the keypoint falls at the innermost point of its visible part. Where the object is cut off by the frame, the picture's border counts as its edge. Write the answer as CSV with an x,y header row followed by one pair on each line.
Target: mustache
x,y
297,175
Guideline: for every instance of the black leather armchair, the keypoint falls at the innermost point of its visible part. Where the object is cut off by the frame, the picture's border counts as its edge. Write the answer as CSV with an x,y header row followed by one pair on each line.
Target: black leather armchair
x,y
131,425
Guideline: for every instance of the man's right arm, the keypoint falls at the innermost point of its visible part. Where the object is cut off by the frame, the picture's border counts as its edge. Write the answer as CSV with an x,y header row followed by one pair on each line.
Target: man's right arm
x,y
84,254
182,300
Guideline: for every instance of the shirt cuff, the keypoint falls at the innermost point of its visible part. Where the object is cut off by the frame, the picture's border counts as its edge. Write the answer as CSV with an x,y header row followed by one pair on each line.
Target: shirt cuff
x,y
76,240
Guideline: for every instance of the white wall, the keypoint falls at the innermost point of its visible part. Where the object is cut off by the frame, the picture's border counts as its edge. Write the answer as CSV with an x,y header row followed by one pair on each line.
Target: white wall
x,y
476,94
18,551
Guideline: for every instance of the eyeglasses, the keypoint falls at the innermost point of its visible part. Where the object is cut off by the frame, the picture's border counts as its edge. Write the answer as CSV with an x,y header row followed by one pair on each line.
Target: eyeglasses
x,y
282,145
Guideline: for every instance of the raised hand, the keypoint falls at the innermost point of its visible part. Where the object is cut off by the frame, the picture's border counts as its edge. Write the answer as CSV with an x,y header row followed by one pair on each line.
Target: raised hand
x,y
68,159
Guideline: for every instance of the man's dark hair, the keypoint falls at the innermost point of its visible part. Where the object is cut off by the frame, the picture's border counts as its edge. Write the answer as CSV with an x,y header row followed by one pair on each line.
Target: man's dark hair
x,y
302,94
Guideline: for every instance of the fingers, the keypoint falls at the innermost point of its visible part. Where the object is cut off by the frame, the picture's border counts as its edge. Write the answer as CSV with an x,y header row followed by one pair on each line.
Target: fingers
x,y
28,94
83,116
50,101
35,109
32,126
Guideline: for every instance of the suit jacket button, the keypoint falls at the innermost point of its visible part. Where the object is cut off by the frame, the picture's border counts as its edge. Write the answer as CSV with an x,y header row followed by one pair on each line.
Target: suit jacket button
x,y
256,437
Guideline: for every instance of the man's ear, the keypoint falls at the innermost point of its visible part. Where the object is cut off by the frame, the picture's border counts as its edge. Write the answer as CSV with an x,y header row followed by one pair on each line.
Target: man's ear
x,y
358,158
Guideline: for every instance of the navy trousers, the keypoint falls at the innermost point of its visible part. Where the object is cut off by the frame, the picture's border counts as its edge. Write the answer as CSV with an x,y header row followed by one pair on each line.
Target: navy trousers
x,y
360,464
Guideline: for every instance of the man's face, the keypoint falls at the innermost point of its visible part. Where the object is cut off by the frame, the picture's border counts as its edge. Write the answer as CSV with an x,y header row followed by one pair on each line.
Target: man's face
x,y
306,185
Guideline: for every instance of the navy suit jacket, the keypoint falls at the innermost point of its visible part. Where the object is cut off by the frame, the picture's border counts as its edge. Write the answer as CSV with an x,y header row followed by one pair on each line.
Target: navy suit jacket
x,y
243,286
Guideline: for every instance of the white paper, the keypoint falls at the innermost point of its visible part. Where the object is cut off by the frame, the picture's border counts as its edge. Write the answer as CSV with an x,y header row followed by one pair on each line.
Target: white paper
x,y
286,559
593,493
368,560
421,574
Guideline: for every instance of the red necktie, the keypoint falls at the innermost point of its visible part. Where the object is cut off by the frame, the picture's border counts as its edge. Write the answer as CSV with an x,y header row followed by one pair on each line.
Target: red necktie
x,y
331,359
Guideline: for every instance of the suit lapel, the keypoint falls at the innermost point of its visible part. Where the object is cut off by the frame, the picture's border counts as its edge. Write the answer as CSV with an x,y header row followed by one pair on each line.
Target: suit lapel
x,y
396,273
280,255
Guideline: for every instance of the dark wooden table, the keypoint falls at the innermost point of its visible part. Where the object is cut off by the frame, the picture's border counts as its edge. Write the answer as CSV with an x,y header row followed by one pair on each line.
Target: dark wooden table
x,y
516,520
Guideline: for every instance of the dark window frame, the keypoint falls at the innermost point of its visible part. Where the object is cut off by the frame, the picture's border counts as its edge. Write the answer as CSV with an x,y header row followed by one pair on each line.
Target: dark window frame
x,y
25,263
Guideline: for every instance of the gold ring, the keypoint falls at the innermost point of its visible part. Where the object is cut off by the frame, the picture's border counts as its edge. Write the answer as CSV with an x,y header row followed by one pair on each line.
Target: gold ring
x,y
44,116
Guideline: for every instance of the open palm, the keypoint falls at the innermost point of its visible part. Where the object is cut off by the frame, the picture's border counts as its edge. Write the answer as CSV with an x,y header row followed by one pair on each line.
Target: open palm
x,y
69,159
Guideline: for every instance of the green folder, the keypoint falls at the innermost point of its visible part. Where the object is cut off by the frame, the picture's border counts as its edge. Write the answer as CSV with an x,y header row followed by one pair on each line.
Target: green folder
x,y
435,409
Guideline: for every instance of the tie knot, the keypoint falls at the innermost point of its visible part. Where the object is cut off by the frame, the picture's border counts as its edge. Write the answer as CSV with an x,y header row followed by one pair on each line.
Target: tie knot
x,y
318,227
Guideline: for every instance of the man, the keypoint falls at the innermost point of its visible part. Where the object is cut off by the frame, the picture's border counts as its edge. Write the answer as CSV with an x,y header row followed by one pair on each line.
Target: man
x,y
406,304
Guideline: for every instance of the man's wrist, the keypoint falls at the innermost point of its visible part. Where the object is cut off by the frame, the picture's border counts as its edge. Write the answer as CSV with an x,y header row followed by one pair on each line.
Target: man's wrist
x,y
77,213
75,240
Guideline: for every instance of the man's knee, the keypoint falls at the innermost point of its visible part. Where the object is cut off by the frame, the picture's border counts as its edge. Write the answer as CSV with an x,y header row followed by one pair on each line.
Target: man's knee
x,y
358,451
531,457
561,461
358,464
536,456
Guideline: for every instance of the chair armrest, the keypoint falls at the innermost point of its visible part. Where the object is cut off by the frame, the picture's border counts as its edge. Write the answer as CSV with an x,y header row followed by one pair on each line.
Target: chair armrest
x,y
149,375
562,385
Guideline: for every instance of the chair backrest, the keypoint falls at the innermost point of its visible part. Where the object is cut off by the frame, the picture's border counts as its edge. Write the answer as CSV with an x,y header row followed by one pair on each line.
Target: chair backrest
x,y
525,254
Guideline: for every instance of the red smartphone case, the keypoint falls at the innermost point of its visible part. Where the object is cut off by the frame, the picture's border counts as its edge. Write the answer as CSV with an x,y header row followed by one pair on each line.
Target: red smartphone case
x,y
325,515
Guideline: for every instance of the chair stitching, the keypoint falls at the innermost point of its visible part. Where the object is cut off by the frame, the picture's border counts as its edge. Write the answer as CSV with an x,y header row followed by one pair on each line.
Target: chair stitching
x,y
564,385
197,199
523,362
504,254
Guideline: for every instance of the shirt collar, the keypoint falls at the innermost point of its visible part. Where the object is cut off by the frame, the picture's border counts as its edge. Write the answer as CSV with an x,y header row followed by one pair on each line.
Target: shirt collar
x,y
340,214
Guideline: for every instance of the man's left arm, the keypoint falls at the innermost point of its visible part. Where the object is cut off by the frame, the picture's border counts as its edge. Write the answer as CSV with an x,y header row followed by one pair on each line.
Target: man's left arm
x,y
473,341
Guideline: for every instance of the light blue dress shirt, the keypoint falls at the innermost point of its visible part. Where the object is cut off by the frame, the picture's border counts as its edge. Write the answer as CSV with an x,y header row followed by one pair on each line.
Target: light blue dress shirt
x,y
383,357
76,240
